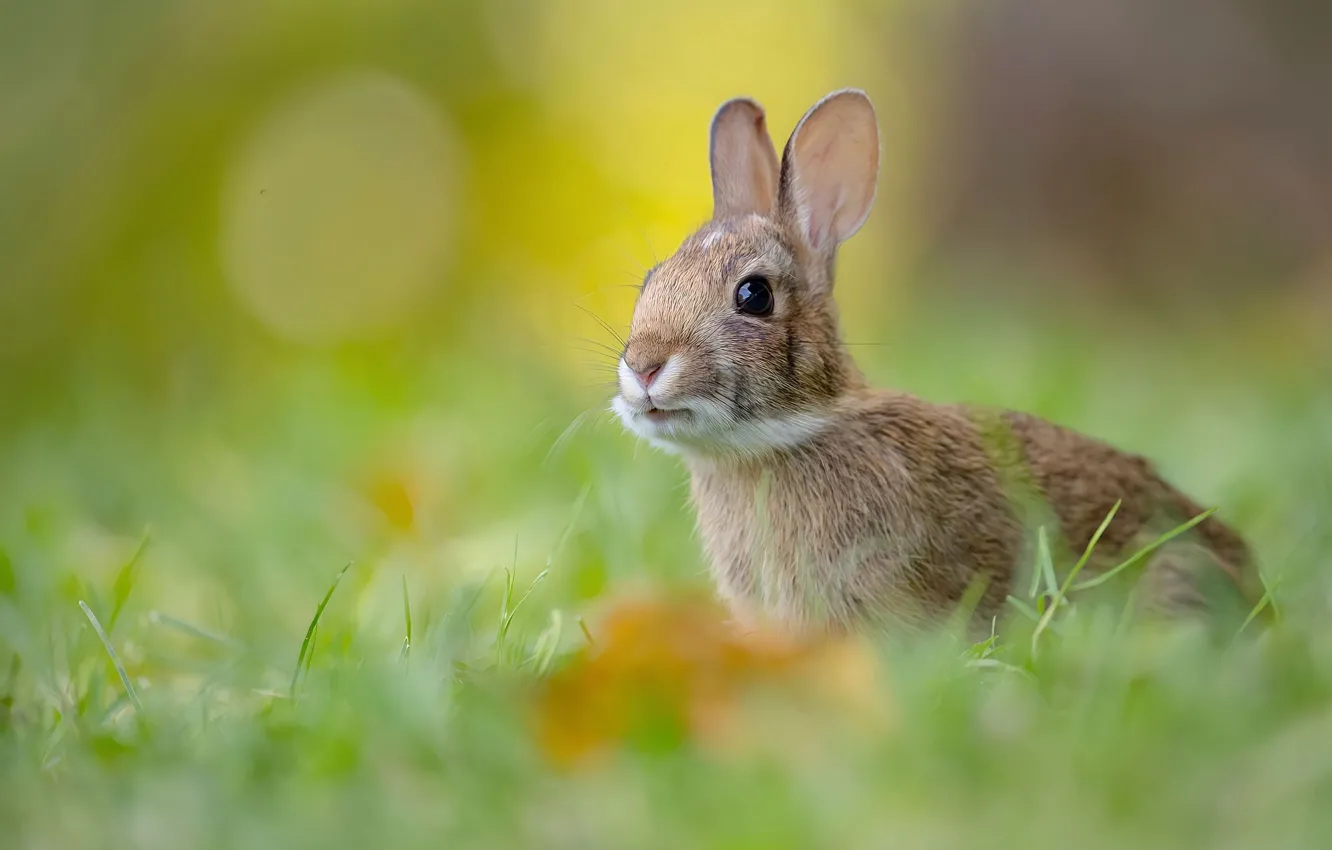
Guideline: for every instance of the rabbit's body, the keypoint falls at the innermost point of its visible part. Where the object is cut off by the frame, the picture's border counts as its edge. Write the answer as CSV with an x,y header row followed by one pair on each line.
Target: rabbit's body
x,y
820,500
897,506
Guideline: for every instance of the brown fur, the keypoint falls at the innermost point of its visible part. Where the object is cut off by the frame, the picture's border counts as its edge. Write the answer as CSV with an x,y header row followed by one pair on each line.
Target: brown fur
x,y
821,501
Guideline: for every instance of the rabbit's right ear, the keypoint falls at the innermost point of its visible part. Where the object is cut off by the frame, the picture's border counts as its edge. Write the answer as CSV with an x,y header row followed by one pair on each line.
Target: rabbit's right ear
x,y
829,170
744,161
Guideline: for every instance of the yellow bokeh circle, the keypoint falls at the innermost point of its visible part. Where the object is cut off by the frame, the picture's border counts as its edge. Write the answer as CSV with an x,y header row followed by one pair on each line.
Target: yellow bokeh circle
x,y
339,211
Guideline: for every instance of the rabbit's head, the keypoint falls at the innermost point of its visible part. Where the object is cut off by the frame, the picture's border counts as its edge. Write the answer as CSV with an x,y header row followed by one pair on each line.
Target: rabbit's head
x,y
734,346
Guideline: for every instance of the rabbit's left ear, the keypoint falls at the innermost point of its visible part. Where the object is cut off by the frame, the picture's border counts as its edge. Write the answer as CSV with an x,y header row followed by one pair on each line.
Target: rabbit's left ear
x,y
829,170
744,161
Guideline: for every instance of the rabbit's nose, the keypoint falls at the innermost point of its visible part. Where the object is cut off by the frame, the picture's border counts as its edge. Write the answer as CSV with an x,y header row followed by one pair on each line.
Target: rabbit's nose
x,y
646,359
648,375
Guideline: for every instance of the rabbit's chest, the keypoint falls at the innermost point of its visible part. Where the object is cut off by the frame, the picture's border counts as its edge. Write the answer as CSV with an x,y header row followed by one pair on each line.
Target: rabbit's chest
x,y
802,548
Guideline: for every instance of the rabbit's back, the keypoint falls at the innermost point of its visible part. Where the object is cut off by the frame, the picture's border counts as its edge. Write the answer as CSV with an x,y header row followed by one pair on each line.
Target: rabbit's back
x,y
986,479
1082,478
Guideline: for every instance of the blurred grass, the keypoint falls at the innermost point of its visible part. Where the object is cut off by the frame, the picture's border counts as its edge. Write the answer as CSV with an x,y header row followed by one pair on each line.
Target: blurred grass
x,y
195,469
1112,737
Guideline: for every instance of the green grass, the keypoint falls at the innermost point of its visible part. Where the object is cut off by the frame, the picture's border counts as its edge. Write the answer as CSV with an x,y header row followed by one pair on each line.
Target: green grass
x,y
224,685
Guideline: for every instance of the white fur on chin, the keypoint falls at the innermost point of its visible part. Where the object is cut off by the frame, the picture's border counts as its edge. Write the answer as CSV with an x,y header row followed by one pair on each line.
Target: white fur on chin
x,y
711,430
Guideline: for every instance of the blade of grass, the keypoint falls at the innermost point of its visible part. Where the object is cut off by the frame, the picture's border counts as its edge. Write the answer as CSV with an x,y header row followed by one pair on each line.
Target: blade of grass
x,y
543,652
157,618
985,648
407,616
112,710
565,436
1044,565
1068,581
1143,552
124,583
540,577
1025,609
996,664
966,608
1270,592
506,599
115,659
301,659
309,656
508,611
1265,601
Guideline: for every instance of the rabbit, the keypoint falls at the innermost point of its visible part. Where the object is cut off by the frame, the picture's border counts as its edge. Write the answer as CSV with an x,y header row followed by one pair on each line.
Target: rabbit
x,y
823,503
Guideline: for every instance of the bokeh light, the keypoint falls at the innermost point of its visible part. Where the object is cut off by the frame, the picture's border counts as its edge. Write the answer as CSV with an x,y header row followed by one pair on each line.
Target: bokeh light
x,y
338,214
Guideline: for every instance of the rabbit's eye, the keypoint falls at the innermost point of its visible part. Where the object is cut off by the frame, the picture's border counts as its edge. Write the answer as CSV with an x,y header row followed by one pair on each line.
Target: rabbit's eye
x,y
753,297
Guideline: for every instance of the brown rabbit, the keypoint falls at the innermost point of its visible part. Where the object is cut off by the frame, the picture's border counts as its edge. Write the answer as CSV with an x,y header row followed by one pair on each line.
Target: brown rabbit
x,y
822,502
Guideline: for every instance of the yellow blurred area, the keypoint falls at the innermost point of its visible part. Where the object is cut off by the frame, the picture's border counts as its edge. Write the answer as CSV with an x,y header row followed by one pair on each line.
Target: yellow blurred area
x,y
643,79
194,179
339,211
181,175
676,662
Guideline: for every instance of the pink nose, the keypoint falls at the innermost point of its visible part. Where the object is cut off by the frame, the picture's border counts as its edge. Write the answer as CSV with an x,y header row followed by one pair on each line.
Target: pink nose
x,y
647,376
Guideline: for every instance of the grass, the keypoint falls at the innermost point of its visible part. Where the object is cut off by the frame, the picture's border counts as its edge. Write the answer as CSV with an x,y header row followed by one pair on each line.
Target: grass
x,y
408,715
306,656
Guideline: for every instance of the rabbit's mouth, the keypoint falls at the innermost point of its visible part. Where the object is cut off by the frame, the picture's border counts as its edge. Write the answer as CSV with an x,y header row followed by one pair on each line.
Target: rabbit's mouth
x,y
663,426
661,415
706,427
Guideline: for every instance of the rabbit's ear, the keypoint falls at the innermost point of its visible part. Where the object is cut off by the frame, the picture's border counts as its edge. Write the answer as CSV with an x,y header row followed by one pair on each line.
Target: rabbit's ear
x,y
829,170
744,161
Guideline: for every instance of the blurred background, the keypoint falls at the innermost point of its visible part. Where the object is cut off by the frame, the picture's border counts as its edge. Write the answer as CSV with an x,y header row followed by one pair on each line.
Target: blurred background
x,y
301,283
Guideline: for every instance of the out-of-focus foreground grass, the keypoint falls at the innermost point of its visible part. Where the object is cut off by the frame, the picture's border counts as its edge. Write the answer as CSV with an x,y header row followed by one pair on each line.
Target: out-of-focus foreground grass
x,y
285,287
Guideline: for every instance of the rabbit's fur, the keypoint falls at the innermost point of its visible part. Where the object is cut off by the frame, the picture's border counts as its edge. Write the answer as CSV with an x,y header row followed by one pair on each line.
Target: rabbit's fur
x,y
822,501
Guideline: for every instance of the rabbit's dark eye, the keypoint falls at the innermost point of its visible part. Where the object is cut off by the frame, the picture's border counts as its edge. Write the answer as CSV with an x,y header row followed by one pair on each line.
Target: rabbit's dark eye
x,y
753,296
